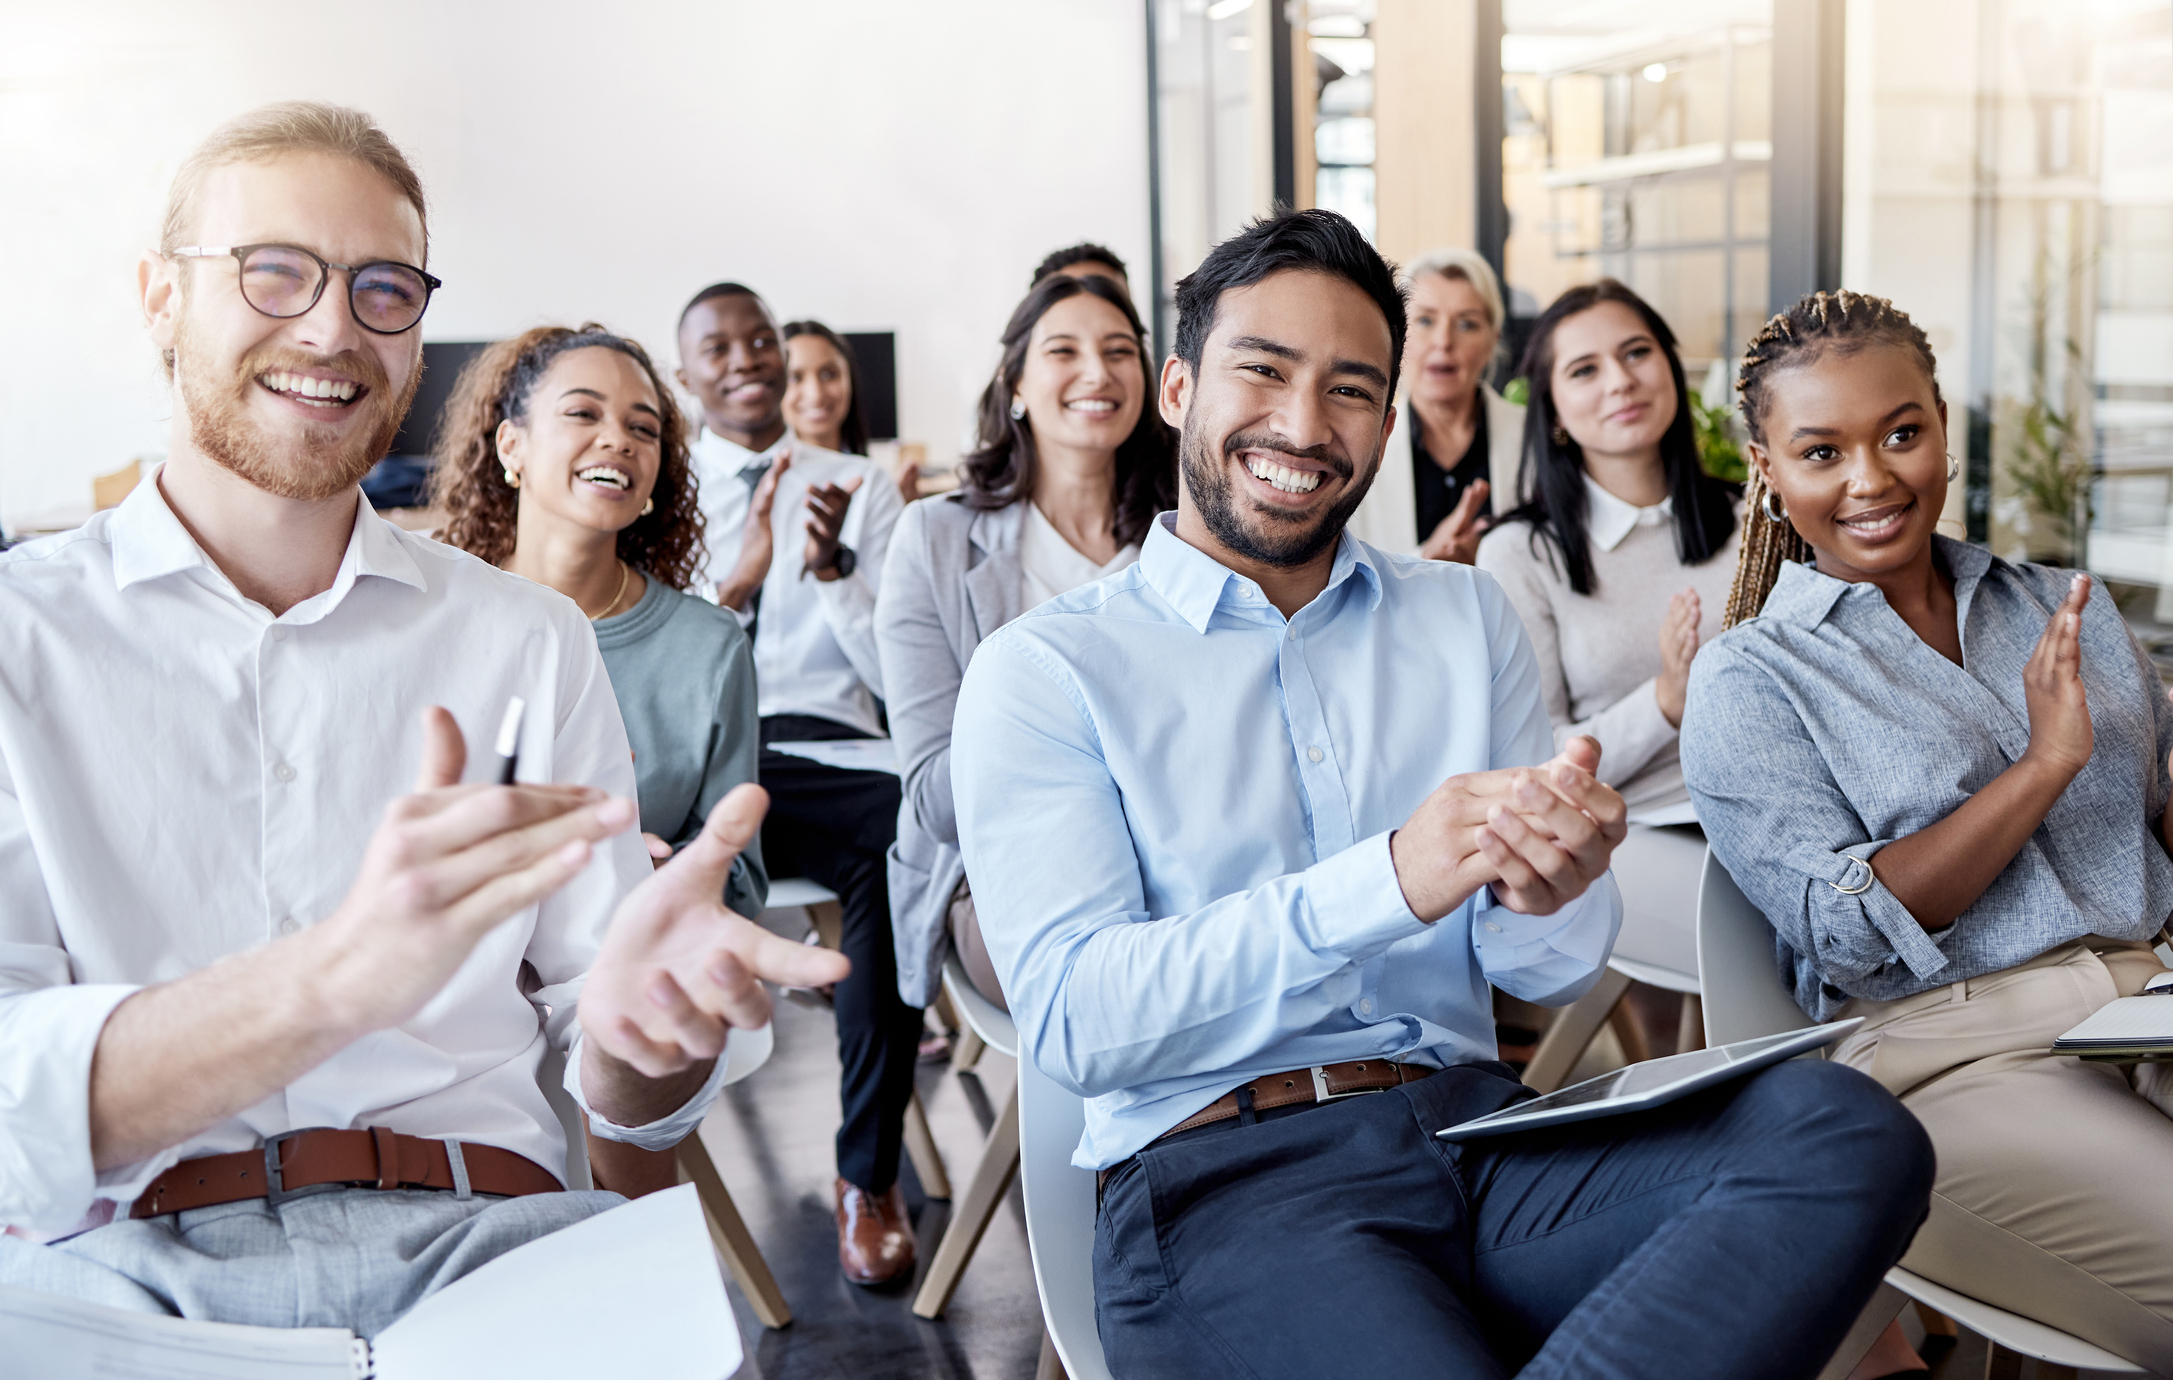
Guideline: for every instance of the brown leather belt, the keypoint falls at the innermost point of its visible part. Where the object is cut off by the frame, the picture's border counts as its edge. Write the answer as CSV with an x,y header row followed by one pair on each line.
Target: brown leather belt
x,y
1321,1083
317,1161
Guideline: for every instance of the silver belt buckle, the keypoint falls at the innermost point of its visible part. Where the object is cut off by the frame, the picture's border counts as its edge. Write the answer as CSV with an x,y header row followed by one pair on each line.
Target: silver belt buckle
x,y
1320,1087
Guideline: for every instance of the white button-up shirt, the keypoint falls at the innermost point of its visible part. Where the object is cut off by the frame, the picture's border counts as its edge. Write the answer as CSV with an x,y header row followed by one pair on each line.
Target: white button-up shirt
x,y
814,640
184,776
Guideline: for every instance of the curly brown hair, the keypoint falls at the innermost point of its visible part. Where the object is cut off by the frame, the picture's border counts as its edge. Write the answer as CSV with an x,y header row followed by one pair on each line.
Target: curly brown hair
x,y
469,483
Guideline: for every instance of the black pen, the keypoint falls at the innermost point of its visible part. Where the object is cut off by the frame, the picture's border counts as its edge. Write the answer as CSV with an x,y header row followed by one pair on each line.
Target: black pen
x,y
509,740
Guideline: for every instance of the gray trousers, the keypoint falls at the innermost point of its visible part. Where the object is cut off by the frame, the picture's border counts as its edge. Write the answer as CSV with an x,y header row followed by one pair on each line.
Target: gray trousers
x,y
355,1258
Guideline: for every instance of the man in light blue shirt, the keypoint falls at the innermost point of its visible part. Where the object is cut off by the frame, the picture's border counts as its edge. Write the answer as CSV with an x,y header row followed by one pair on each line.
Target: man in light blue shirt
x,y
1251,828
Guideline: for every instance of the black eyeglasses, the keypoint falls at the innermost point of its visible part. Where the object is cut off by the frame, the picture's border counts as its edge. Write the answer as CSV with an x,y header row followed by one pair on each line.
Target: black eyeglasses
x,y
285,280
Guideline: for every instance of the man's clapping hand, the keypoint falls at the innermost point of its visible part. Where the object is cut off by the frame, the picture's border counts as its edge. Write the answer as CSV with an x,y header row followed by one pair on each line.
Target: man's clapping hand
x,y
678,970
1538,835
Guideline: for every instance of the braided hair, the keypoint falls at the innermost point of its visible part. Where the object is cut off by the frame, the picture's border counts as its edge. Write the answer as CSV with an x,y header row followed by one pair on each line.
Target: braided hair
x,y
1842,322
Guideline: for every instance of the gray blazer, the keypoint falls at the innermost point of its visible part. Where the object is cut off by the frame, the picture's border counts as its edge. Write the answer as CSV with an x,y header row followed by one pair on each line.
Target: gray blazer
x,y
952,578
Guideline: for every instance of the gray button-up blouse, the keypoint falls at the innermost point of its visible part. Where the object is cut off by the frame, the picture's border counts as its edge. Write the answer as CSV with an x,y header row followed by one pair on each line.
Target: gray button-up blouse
x,y
1824,729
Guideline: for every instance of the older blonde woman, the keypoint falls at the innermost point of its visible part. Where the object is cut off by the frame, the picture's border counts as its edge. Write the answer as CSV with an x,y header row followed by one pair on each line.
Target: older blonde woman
x,y
1451,462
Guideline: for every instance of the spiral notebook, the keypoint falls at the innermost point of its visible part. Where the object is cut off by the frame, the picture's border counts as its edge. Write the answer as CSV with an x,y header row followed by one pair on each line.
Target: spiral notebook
x,y
632,1291
2129,1028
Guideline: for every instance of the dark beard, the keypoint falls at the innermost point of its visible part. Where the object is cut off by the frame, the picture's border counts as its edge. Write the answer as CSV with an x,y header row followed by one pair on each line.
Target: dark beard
x,y
1280,539
326,463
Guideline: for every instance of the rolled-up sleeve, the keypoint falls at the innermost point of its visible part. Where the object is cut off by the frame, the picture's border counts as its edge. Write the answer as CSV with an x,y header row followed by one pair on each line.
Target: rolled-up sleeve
x,y
1782,826
1106,1000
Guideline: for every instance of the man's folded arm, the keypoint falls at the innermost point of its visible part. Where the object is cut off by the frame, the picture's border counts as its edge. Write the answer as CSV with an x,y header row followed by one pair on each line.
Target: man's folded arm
x,y
1105,995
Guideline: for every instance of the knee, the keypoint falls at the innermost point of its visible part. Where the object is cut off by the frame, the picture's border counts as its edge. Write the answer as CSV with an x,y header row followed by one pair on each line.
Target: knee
x,y
1841,1128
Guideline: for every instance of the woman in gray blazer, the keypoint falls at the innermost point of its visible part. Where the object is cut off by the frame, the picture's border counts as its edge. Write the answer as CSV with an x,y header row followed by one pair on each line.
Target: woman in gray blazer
x,y
1073,463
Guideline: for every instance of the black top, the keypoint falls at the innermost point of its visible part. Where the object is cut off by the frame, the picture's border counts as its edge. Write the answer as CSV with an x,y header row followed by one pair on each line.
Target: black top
x,y
1438,489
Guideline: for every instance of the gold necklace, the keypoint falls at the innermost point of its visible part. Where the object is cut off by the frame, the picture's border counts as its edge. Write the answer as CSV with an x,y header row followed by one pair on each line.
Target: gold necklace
x,y
625,573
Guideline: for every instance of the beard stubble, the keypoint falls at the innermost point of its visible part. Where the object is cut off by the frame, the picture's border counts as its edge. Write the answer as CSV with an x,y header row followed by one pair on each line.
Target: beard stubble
x,y
326,461
1280,539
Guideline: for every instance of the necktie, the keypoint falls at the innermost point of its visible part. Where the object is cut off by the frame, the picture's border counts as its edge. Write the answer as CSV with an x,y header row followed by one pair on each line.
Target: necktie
x,y
751,476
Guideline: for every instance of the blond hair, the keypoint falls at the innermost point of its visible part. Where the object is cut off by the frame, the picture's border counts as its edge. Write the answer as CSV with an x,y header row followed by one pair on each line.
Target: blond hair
x,y
289,127
1841,321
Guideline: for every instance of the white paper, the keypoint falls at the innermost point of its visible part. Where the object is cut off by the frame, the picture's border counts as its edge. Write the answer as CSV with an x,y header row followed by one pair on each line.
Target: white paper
x,y
634,1291
846,754
2127,1020
56,1338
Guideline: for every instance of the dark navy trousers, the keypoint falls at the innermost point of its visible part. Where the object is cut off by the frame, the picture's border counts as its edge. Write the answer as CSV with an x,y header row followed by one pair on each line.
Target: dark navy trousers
x,y
1734,1233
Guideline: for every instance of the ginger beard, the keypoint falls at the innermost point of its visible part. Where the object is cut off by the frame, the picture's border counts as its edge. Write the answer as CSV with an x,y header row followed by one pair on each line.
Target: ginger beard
x,y
1274,536
327,460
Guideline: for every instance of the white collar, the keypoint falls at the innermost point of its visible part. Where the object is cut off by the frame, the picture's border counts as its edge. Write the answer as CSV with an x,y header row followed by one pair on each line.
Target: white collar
x,y
732,457
1608,519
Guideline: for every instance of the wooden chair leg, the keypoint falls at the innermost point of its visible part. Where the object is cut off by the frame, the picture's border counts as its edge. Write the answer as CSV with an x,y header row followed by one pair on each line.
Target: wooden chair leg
x,y
991,1180
946,1014
828,920
1690,1035
730,1235
1884,1307
920,1147
1048,1367
967,1052
1936,1323
1629,1032
1573,1029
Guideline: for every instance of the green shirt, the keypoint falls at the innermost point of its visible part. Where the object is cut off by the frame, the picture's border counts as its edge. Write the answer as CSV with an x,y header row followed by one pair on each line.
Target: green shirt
x,y
685,680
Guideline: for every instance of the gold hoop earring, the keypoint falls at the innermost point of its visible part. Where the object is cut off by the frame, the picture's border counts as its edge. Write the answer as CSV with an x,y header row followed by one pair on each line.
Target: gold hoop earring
x,y
1776,511
513,477
648,506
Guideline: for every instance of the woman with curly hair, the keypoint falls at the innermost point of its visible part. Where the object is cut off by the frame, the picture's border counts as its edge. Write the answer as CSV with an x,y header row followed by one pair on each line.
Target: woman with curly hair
x,y
564,458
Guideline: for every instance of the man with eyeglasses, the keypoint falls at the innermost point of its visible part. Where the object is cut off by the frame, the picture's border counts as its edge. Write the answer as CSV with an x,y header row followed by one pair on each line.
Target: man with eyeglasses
x,y
271,1016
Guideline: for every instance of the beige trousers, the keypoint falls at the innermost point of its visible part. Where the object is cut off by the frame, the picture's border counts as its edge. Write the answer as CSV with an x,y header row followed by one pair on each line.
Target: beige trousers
x,y
2052,1198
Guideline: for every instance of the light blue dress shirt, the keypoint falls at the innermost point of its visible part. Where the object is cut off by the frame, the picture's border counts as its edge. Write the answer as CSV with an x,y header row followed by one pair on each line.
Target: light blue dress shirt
x,y
1175,805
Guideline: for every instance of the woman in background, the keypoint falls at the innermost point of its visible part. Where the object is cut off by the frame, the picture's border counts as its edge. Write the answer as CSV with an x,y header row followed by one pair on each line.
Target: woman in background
x,y
1073,464
1452,459
822,389
564,459
1618,564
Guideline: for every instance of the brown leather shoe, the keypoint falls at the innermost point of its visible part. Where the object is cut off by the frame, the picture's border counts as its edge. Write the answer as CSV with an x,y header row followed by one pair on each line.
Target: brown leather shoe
x,y
875,1241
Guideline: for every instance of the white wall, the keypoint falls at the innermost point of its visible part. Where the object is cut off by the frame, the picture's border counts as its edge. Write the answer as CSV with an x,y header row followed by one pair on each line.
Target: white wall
x,y
878,165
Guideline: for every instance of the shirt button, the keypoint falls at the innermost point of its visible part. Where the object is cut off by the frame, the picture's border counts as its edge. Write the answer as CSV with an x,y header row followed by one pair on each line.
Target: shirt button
x,y
1313,754
282,771
289,925
1492,928
1365,1008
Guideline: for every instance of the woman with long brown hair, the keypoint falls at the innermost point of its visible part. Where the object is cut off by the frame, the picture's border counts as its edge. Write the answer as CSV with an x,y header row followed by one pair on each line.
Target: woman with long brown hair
x,y
1073,463
564,458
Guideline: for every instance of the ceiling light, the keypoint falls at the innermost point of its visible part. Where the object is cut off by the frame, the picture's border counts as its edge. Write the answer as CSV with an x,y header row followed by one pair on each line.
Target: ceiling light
x,y
1654,72
1223,9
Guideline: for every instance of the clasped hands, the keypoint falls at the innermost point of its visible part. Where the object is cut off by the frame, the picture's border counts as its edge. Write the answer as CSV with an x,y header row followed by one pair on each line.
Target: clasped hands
x,y
1537,835
451,862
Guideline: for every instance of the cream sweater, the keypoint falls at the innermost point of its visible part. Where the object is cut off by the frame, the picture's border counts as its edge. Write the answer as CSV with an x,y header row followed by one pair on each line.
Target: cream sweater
x,y
1599,654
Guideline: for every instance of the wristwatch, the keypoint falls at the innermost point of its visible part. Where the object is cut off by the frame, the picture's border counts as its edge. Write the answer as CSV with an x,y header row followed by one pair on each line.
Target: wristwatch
x,y
844,562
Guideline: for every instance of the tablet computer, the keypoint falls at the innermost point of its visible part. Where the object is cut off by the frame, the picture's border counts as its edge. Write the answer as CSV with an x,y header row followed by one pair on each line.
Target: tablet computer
x,y
1652,1083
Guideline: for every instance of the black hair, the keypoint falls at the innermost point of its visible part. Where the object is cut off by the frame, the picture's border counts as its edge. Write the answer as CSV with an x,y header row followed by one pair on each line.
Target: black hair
x,y
1001,470
1552,471
715,290
853,431
1316,240
1082,253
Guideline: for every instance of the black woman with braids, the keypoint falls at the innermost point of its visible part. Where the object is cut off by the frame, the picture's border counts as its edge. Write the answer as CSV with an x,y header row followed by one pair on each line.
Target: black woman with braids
x,y
1943,778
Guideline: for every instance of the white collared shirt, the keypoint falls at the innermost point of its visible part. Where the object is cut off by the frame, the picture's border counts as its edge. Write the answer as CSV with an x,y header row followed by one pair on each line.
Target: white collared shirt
x,y
184,776
1608,519
814,639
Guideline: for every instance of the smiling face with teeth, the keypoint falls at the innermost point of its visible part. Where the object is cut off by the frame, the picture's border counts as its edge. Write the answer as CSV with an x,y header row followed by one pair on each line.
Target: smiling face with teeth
x,y
1283,423
1082,381
301,407
587,444
1855,445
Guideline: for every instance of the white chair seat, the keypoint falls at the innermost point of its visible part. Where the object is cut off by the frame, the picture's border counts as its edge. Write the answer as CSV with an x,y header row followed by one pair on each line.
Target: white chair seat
x,y
1060,1220
986,1019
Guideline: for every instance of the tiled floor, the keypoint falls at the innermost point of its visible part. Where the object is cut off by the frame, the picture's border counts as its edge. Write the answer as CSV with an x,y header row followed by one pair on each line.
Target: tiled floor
x,y
771,1137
